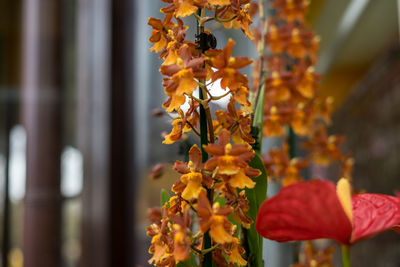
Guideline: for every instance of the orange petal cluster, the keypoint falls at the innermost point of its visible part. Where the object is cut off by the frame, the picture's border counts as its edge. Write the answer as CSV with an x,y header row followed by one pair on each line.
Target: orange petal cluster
x,y
181,81
282,168
293,102
237,15
230,162
227,67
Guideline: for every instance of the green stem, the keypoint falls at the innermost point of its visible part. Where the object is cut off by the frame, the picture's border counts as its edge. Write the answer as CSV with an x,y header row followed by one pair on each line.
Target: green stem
x,y
207,243
261,51
205,261
224,20
204,252
346,256
292,154
221,96
292,143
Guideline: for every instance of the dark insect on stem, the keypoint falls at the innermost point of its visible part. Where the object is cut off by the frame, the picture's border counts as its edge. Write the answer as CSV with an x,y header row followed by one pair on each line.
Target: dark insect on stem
x,y
205,41
254,133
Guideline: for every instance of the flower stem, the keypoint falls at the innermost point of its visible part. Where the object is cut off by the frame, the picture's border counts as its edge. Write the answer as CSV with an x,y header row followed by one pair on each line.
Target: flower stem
x,y
207,111
224,20
346,256
205,251
292,143
261,51
206,259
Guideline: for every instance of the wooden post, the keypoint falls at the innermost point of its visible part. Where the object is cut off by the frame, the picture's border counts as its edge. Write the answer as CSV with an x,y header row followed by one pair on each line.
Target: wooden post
x,y
93,83
122,134
10,27
106,131
42,120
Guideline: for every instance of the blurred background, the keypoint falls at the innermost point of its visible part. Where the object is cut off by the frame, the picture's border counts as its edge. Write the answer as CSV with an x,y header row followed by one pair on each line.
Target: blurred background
x,y
77,142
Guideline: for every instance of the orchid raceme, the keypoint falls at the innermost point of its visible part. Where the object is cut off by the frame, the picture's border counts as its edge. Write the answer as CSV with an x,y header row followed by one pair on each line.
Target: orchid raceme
x,y
209,218
316,209
192,226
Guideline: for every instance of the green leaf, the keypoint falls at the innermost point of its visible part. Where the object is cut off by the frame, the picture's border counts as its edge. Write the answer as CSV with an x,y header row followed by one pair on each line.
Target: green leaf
x,y
258,194
164,197
256,197
188,263
258,120
260,189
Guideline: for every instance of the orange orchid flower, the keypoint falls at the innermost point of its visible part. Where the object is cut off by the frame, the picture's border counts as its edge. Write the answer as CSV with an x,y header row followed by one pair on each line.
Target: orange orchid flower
x,y
182,78
162,244
316,258
234,253
181,236
244,20
238,122
182,242
280,166
325,107
241,96
292,172
177,37
291,10
231,161
190,183
308,83
182,124
273,123
240,209
346,167
300,42
183,8
215,219
323,148
276,38
278,86
219,2
302,120
237,12
227,67
159,36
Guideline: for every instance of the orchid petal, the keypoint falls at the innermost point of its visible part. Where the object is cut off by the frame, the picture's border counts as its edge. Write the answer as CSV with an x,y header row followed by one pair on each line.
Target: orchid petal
x,y
195,156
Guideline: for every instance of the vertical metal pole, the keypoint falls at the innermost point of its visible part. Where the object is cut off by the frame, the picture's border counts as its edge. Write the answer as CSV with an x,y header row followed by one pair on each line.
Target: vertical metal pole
x,y
42,120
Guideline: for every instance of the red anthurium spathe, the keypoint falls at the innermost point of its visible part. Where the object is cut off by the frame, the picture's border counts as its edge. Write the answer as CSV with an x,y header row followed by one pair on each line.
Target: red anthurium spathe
x,y
316,209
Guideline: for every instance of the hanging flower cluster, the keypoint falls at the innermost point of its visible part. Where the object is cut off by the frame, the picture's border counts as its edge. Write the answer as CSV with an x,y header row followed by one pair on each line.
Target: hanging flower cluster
x,y
210,206
292,98
294,106
210,219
